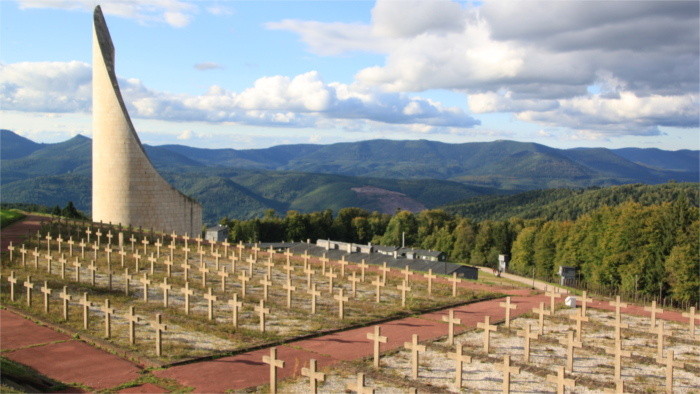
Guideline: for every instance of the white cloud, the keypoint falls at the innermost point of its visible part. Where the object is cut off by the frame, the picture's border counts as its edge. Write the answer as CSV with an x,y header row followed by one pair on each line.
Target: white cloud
x,y
615,67
176,13
208,66
300,101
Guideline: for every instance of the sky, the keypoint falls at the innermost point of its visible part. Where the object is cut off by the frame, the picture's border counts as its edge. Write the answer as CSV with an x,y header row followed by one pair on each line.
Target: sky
x,y
254,74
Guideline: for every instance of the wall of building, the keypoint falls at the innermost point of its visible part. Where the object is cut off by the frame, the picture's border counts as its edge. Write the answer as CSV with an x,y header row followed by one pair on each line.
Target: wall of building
x,y
126,188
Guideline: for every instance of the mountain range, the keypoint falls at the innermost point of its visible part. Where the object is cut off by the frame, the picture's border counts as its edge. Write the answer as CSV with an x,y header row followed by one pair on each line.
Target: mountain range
x,y
380,175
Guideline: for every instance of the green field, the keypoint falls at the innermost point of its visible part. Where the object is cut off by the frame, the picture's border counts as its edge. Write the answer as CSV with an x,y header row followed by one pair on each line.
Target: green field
x,y
10,216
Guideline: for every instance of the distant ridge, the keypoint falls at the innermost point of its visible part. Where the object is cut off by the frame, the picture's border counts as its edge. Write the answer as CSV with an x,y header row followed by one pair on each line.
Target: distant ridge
x,y
306,177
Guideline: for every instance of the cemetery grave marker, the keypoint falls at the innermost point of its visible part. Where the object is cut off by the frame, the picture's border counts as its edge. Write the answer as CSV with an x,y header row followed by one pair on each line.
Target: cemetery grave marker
x,y
552,295
210,303
403,289
541,312
133,320
309,273
66,299
23,252
288,286
265,282
168,267
341,299
235,304
379,284
455,280
262,311
186,270
330,275
451,321
579,318
618,353
36,255
313,375
243,278
384,270
359,385
487,332
660,332
49,259
654,310
527,336
376,339
570,343
86,304
29,286
507,370
508,306
13,281
63,262
108,312
204,270
166,288
313,293
159,328
223,275
362,266
47,292
459,358
152,260
430,278
560,380
145,282
353,282
274,363
406,273
691,320
415,348
82,245
669,364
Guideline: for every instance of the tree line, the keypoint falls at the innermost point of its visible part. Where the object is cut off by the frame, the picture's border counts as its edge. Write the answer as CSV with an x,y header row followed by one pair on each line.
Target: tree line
x,y
646,249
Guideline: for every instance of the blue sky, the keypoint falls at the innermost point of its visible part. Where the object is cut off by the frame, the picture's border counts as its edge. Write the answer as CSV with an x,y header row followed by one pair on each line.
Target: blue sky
x,y
256,74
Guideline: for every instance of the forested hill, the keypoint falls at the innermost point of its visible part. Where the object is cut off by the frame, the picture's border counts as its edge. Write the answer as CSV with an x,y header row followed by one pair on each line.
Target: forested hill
x,y
569,204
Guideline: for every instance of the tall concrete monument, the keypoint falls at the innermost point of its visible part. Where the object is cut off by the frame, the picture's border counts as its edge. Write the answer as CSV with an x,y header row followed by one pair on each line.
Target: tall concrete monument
x,y
126,188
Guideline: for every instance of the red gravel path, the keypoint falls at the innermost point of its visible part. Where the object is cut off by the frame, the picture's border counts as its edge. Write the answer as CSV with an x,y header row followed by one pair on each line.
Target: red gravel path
x,y
19,230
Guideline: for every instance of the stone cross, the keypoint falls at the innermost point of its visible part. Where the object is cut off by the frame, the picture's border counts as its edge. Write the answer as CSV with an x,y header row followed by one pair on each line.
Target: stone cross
x,y
172,248
159,328
63,262
243,278
255,250
11,249
13,281
152,259
660,332
225,244
187,253
309,273
455,280
584,301
313,293
145,243
579,318
617,304
384,270
204,270
265,282
459,359
487,327
341,299
508,306
691,320
137,261
158,244
430,278
95,249
403,289
376,339
122,255
210,303
362,266
274,363
379,284
108,312
66,299
233,259
288,286
132,319
570,343
251,261
451,321
507,370
166,288
187,292
654,310
289,268
527,336
618,325
342,264
415,348
99,235
330,275
49,259
59,239
36,255
201,256
323,261
23,251
262,311
240,248
48,242
86,304
552,295
70,246
109,251
359,385
618,353
669,363
235,304
168,267
223,275
313,375
560,380
406,273
216,256
109,237
47,293
542,312
353,282
29,286
88,232
145,282
127,281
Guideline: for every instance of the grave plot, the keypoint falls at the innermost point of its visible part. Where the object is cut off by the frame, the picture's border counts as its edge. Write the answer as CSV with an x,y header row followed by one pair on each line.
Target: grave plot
x,y
556,359
211,298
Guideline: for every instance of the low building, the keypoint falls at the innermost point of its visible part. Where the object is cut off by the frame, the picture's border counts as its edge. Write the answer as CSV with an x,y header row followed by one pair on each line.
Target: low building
x,y
217,233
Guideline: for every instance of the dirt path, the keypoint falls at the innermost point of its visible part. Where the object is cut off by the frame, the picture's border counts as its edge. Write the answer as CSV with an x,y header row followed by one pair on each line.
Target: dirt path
x,y
19,230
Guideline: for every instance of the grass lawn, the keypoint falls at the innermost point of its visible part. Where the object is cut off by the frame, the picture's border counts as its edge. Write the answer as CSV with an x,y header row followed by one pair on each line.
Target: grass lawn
x,y
9,216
